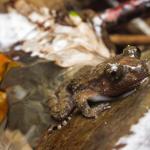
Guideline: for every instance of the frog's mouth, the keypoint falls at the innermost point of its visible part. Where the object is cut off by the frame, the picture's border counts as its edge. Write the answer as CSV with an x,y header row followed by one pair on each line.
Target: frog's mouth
x,y
102,98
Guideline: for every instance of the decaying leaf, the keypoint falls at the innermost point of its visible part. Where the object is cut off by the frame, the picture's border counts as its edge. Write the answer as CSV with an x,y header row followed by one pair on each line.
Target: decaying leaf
x,y
44,35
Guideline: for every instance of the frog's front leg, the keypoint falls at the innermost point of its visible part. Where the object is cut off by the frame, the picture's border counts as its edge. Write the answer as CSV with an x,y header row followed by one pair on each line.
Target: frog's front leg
x,y
81,99
60,104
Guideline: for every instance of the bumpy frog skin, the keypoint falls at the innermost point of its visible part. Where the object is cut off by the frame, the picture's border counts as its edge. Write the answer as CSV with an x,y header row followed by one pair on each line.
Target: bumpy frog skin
x,y
114,77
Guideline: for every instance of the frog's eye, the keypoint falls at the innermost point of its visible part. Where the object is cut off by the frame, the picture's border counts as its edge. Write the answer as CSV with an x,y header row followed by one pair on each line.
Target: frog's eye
x,y
114,72
132,51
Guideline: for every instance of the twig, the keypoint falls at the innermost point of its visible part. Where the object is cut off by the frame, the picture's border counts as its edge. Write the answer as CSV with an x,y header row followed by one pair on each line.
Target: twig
x,y
130,39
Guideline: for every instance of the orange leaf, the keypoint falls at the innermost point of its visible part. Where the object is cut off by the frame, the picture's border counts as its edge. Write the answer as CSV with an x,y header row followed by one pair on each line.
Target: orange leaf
x,y
3,106
4,61
6,64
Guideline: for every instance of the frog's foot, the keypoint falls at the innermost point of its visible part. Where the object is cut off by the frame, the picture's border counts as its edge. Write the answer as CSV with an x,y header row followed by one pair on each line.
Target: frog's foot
x,y
60,109
59,125
93,112
81,100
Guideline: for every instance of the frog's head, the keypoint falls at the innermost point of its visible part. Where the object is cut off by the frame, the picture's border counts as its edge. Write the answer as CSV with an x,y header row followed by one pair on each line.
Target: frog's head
x,y
124,73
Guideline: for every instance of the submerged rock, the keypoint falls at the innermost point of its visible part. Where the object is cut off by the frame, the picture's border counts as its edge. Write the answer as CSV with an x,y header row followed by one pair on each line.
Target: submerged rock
x,y
27,90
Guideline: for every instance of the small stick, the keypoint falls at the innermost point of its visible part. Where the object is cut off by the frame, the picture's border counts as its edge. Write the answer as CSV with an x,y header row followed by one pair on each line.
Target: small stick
x,y
130,39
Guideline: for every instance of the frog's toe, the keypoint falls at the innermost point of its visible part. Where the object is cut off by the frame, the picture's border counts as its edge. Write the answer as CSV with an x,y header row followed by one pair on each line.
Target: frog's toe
x,y
54,127
58,126
64,123
106,106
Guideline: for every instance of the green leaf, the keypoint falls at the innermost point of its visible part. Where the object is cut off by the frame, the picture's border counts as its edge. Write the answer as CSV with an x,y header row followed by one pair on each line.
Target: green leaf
x,y
73,13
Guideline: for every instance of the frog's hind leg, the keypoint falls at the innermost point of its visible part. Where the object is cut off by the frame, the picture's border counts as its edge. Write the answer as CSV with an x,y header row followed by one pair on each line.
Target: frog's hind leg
x,y
81,100
60,105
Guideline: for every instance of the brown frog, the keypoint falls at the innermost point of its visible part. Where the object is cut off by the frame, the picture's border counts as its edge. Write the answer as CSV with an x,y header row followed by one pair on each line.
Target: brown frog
x,y
103,82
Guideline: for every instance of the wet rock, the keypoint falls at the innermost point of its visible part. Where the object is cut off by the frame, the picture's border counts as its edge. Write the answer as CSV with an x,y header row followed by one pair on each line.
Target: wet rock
x,y
27,90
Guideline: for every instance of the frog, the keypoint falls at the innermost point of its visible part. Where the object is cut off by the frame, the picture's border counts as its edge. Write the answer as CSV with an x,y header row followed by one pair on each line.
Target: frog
x,y
103,82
